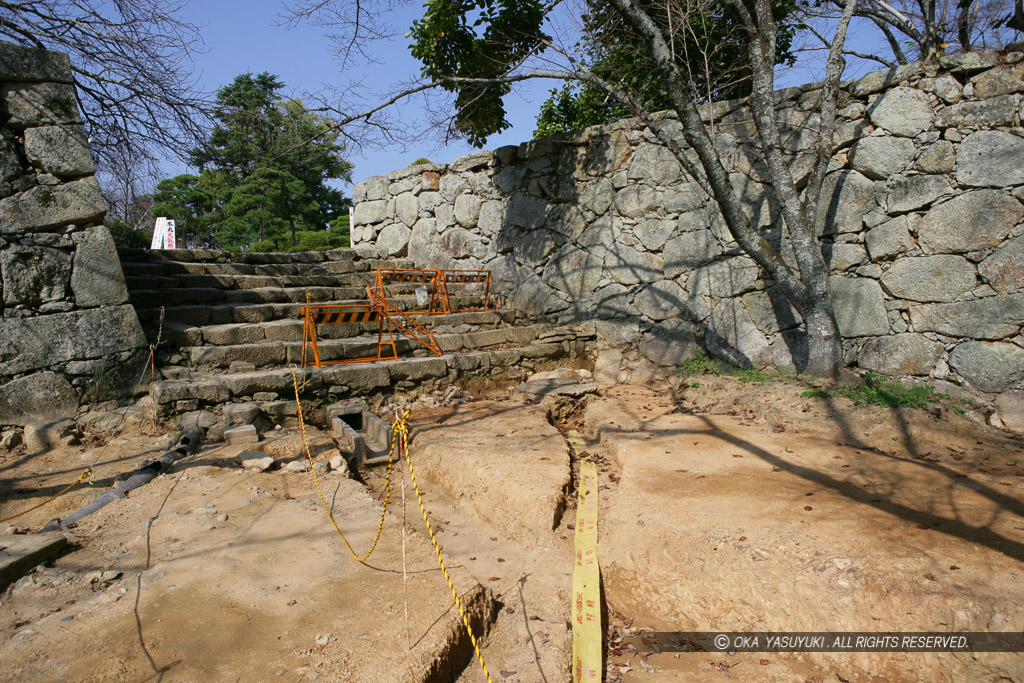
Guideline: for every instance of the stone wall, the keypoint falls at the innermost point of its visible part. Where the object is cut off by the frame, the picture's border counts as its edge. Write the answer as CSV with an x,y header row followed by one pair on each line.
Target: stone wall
x,y
67,333
921,216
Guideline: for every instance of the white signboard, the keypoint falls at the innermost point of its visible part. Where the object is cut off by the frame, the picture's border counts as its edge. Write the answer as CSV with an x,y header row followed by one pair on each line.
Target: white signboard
x,y
163,234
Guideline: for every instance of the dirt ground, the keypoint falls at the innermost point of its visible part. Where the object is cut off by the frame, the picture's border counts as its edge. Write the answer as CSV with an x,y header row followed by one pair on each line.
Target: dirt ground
x,y
727,506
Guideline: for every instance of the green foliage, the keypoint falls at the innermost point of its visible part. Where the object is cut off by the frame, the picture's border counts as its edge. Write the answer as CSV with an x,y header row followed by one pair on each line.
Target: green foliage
x,y
480,39
307,240
264,173
882,391
700,364
709,47
815,393
422,160
125,235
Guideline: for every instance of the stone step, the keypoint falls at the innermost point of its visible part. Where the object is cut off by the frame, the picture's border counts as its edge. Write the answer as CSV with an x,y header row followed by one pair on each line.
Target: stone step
x,y
213,388
215,256
171,268
267,354
224,281
176,334
154,298
225,313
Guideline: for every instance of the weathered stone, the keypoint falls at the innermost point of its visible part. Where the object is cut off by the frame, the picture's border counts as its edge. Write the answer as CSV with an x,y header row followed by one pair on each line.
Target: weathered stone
x,y
947,88
654,163
467,210
770,311
97,279
683,198
1004,268
900,354
393,240
733,337
789,351
880,156
376,189
968,62
628,266
889,239
32,343
879,80
597,195
492,214
241,413
1010,409
255,460
654,232
461,243
939,157
999,80
19,63
844,256
50,206
670,342
42,397
203,419
34,275
930,278
526,211
601,237
726,278
39,104
859,307
566,219
574,271
969,222
416,369
360,376
471,161
370,212
534,247
846,197
662,299
990,366
994,317
60,150
915,192
990,158
210,391
689,251
996,111
420,239
243,434
613,301
902,111
407,208
531,296
635,201
606,367
617,333
428,202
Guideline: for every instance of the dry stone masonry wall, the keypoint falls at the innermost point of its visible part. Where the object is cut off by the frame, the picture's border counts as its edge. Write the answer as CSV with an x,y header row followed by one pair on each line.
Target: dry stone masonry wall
x,y
67,333
921,215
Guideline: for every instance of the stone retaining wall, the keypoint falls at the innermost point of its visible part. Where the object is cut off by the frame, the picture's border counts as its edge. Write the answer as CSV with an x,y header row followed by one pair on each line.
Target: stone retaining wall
x,y
921,216
67,333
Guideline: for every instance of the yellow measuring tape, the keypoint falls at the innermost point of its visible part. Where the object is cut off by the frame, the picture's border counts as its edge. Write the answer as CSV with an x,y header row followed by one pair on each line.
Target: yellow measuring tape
x,y
399,442
586,583
82,477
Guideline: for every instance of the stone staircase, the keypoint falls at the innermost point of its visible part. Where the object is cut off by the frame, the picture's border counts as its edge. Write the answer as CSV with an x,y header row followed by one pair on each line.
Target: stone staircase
x,y
231,328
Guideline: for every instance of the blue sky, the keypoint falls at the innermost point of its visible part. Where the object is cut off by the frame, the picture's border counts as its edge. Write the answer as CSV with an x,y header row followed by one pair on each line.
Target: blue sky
x,y
243,37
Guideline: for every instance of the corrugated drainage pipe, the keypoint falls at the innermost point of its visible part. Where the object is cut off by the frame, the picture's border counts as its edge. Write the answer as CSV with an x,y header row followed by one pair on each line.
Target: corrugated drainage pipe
x,y
186,445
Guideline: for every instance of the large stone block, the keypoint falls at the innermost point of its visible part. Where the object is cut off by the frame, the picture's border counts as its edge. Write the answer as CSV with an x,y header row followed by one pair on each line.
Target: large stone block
x,y
668,343
654,163
531,296
1010,408
654,232
52,206
526,211
39,104
97,279
597,195
28,344
407,208
663,299
846,197
859,307
770,310
601,237
999,80
689,251
18,63
460,243
370,212
901,354
614,301
733,336
990,366
34,275
534,247
42,397
994,317
420,240
492,215
995,111
915,192
208,390
726,278
969,222
416,369
574,271
930,278
1004,268
393,240
889,239
362,376
636,201
880,156
60,150
990,158
902,111
629,266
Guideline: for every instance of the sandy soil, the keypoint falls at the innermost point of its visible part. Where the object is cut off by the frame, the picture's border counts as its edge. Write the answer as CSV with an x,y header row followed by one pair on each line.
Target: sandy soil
x,y
726,506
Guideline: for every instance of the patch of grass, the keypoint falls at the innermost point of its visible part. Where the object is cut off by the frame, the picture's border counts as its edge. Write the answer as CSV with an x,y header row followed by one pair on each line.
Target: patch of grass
x,y
815,393
882,391
702,364
756,376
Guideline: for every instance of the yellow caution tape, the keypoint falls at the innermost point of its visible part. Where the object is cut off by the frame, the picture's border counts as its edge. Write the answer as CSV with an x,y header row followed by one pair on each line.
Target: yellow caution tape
x,y
82,477
586,584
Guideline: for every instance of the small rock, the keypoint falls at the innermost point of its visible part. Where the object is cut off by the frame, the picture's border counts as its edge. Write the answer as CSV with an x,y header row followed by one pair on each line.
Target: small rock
x,y
297,466
10,440
255,460
9,530
337,462
222,518
323,467
323,638
92,577
110,575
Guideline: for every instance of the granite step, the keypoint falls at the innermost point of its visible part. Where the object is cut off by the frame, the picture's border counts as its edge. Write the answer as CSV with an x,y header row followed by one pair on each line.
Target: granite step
x,y
189,280
154,298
